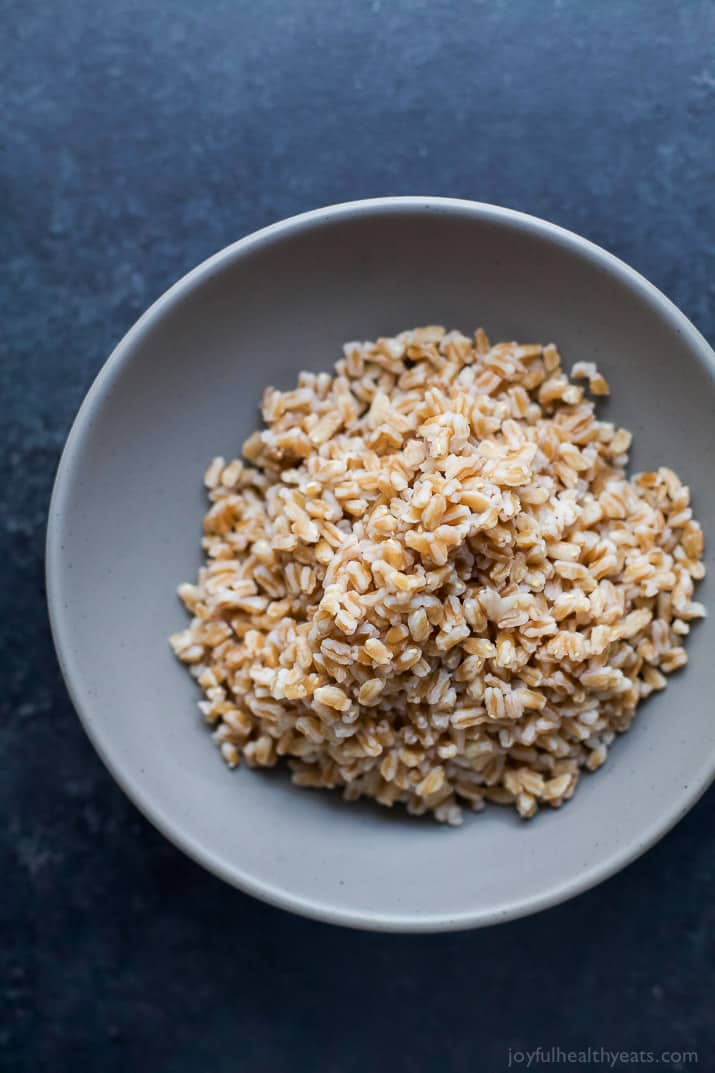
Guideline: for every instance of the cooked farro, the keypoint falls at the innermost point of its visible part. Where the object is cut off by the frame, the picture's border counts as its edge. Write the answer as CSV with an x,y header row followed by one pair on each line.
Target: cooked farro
x,y
431,581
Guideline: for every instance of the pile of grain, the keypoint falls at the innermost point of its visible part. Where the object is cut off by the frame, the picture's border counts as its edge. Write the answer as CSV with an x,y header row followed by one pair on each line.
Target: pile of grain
x,y
431,581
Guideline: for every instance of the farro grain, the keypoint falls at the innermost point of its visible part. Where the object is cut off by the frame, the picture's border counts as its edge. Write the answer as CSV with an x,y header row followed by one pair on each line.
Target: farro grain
x,y
430,580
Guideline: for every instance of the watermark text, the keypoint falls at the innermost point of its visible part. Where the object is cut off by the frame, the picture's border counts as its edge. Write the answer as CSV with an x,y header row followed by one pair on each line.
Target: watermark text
x,y
604,1056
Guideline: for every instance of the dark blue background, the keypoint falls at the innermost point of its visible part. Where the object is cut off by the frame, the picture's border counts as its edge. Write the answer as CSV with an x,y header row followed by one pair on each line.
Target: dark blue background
x,y
139,137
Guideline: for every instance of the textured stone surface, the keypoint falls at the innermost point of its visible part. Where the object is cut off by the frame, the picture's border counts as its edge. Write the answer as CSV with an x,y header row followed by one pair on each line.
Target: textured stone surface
x,y
138,138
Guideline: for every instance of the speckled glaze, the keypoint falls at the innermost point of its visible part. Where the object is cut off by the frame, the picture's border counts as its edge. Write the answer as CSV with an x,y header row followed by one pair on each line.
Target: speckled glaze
x,y
126,510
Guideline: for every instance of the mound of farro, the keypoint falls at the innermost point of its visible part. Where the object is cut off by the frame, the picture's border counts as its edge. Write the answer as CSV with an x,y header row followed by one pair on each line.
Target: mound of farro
x,y
432,582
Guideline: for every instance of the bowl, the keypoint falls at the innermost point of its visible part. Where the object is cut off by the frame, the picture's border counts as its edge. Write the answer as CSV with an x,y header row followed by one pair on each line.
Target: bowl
x,y
124,525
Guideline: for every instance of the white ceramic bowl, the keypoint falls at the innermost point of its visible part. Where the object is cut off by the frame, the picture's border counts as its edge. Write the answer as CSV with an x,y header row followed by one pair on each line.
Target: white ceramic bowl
x,y
124,525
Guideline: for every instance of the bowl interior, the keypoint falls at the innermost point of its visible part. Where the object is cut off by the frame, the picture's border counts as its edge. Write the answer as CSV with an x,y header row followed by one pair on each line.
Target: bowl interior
x,y
125,528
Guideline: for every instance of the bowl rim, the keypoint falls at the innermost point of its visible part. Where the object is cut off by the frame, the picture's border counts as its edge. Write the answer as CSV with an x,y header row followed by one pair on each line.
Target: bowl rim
x,y
128,779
